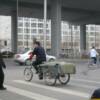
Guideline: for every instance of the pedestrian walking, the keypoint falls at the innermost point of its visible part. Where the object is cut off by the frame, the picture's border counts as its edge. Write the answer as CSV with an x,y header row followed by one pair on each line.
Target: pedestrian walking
x,y
2,65
93,54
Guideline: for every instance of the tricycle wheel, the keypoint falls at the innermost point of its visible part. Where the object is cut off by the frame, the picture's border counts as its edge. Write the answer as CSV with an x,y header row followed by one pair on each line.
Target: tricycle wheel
x,y
64,79
28,74
50,78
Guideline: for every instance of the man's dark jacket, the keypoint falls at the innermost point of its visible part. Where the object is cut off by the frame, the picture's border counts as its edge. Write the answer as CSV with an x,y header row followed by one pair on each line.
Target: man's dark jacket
x,y
40,53
2,64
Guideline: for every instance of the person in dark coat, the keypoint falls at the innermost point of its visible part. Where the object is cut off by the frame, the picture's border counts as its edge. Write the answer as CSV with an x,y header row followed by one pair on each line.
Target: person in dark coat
x,y
2,65
96,95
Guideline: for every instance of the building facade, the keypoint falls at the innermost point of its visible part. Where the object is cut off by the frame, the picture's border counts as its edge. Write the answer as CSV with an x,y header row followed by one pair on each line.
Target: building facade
x,y
93,36
30,28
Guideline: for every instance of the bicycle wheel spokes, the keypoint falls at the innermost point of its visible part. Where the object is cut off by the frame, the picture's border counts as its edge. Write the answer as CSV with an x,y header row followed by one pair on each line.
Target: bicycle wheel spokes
x,y
50,78
28,74
64,79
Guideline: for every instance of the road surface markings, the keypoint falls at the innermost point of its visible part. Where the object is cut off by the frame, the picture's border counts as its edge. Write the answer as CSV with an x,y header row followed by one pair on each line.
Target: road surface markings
x,y
28,94
88,81
65,91
83,86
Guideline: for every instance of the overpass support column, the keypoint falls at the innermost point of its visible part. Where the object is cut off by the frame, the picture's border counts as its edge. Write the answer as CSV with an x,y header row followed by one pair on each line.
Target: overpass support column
x,y
14,31
56,27
82,39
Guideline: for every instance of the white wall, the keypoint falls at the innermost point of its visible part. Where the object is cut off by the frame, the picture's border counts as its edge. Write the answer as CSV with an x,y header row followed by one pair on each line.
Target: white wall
x,y
5,27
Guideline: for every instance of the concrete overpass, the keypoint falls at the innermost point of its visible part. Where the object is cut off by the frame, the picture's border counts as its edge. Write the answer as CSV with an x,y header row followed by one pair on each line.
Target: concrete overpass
x,y
80,12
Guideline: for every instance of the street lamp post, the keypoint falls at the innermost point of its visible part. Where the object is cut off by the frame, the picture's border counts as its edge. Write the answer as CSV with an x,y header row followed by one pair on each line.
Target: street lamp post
x,y
45,22
17,8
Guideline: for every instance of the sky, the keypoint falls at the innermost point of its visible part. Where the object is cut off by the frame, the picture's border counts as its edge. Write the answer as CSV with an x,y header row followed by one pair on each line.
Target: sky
x,y
5,27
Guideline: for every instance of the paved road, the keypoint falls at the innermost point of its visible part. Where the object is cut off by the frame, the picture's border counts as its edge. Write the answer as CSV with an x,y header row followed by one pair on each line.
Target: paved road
x,y
79,88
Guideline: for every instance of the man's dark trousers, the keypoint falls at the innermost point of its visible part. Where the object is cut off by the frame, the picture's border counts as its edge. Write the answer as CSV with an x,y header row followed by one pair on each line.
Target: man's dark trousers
x,y
94,59
36,63
1,77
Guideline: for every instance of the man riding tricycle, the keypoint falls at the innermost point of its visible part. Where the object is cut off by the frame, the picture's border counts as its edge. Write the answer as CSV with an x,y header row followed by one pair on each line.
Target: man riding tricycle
x,y
49,71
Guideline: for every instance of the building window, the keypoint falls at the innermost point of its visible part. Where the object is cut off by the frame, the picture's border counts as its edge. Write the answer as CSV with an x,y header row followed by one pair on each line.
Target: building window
x,y
40,25
5,43
76,33
20,37
75,27
26,37
69,27
87,28
41,37
92,28
20,18
40,31
47,31
20,30
27,19
33,24
33,19
20,24
40,20
47,26
47,37
92,33
92,39
20,43
97,28
33,31
27,24
26,30
65,33
65,38
26,43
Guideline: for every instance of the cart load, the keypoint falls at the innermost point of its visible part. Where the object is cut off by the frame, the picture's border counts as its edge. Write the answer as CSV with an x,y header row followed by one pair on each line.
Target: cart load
x,y
63,66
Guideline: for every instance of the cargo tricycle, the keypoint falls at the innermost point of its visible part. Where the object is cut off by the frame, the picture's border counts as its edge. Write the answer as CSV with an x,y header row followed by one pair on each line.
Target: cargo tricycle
x,y
51,72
